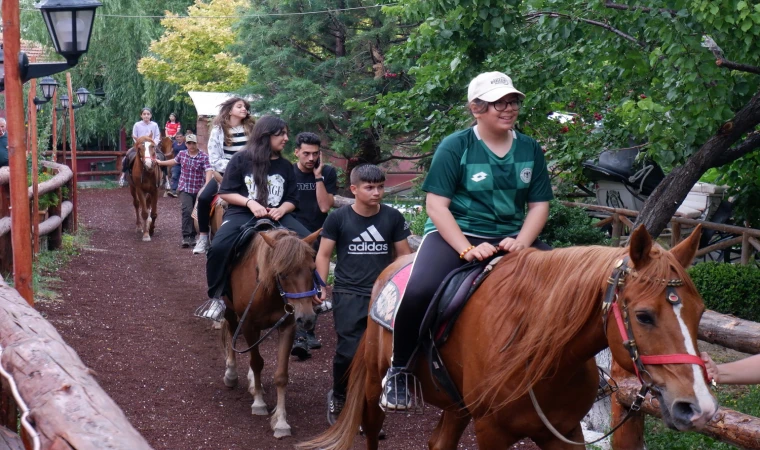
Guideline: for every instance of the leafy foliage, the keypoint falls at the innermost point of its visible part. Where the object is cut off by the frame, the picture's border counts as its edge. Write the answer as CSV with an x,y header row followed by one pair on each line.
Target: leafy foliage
x,y
192,53
568,226
729,288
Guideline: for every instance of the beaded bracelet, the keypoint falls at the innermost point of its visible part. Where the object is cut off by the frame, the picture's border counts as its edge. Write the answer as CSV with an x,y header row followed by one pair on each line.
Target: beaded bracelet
x,y
464,252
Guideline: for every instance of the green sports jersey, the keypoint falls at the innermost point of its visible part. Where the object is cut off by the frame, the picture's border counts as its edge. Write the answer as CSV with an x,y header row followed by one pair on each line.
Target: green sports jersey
x,y
488,194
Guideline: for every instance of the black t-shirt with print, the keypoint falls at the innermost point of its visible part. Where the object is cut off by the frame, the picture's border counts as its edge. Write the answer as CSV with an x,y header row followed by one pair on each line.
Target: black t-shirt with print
x,y
364,245
308,212
238,179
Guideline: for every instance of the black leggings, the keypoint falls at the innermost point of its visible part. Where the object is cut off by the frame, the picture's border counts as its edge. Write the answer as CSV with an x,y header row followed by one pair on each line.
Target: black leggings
x,y
205,197
221,247
434,260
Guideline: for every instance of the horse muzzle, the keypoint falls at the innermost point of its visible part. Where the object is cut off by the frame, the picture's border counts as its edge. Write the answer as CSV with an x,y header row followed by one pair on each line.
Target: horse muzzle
x,y
306,321
148,163
686,413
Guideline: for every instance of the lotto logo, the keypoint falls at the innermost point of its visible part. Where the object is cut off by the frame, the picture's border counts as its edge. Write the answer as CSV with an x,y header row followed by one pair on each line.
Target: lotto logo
x,y
478,177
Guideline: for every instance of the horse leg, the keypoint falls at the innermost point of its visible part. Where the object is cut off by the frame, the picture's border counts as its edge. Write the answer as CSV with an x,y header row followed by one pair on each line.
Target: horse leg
x,y
449,431
373,416
230,358
136,203
279,421
555,444
153,212
259,406
491,435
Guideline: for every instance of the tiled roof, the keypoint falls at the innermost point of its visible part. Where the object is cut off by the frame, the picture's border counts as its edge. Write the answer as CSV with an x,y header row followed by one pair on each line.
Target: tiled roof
x,y
35,51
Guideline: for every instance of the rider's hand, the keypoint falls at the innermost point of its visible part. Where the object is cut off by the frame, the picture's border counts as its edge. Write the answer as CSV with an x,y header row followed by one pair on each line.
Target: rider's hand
x,y
275,213
257,210
480,252
511,245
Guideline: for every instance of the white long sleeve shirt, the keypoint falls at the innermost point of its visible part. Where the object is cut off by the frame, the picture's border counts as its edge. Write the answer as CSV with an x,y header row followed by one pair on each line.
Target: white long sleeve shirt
x,y
220,154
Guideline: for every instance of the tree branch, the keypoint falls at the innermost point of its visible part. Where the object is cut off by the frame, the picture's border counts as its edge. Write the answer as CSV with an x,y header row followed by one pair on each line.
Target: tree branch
x,y
335,127
611,5
737,66
588,21
405,158
749,145
304,50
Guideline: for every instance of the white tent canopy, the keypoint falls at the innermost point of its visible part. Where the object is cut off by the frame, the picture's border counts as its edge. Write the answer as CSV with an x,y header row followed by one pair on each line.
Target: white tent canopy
x,y
208,103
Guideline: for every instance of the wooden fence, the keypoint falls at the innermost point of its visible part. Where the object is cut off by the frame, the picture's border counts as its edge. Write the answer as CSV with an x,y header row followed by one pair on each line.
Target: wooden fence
x,y
61,405
105,153
55,218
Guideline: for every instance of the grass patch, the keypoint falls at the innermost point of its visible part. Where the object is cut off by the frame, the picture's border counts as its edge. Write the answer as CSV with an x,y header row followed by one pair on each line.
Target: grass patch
x,y
745,399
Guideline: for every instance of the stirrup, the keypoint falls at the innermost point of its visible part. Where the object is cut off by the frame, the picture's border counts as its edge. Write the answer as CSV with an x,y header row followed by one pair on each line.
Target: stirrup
x,y
607,386
414,400
212,309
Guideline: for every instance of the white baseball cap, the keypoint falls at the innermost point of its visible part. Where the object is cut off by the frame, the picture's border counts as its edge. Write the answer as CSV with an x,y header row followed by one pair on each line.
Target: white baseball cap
x,y
491,86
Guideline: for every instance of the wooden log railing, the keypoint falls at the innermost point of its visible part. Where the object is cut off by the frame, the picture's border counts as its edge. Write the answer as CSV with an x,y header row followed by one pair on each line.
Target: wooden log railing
x,y
56,221
67,407
619,218
118,155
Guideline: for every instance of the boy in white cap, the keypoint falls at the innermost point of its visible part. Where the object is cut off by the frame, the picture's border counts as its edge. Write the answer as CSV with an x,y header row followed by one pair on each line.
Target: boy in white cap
x,y
480,183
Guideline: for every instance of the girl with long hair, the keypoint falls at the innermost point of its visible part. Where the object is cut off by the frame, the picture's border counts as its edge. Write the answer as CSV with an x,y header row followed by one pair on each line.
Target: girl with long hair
x,y
229,134
258,183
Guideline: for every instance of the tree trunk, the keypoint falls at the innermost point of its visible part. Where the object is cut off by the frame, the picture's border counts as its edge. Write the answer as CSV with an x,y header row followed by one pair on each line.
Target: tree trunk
x,y
717,151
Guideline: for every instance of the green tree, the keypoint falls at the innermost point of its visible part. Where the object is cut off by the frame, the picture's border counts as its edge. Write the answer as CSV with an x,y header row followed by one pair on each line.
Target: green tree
x,y
193,53
118,41
649,72
305,66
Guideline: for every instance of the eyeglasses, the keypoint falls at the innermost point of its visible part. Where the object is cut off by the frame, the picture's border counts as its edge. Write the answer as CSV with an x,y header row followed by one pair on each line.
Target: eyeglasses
x,y
501,105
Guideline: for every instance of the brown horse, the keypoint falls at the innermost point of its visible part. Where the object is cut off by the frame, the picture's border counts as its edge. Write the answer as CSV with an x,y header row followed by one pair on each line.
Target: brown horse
x,y
276,279
165,147
144,186
533,327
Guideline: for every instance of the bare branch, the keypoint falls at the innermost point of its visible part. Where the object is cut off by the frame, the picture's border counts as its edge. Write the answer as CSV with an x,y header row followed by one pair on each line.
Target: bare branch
x,y
588,21
737,66
611,5
304,50
749,145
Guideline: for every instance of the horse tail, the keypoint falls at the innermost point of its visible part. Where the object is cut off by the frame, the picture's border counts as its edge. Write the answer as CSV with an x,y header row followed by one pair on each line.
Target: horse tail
x,y
341,435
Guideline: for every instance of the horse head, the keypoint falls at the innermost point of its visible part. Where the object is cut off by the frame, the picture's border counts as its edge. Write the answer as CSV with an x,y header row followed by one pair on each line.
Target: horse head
x,y
146,149
165,146
652,329
291,263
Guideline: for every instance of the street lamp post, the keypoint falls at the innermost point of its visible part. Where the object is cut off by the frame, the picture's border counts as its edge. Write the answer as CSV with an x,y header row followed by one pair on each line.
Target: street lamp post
x,y
69,23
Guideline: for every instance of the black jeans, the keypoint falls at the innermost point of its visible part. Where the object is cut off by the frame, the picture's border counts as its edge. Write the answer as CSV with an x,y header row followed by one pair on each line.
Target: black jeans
x,y
187,201
434,260
350,317
221,247
205,197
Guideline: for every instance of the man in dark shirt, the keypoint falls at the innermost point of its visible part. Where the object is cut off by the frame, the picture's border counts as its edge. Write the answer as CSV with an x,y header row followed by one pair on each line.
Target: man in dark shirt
x,y
317,184
3,143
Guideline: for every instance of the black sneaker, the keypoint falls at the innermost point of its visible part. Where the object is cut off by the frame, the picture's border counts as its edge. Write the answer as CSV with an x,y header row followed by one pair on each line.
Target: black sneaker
x,y
334,407
395,395
301,349
312,341
186,243
380,435
172,193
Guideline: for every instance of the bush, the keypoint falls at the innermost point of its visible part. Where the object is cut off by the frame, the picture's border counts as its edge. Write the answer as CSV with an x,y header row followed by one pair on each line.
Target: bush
x,y
568,226
729,288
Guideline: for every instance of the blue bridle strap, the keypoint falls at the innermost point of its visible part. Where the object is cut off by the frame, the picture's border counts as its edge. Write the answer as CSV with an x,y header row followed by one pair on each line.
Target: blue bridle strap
x,y
318,285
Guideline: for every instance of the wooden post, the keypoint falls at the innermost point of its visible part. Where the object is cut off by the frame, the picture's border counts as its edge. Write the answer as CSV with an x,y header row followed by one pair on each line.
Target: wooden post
x,y
14,103
6,248
72,130
746,249
630,436
675,237
54,113
617,228
35,170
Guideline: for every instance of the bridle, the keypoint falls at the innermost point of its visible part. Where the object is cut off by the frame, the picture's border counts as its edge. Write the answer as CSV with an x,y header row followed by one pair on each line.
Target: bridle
x,y
614,303
317,285
145,158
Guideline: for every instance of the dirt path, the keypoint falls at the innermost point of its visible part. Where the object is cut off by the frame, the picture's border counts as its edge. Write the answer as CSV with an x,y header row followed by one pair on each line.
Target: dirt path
x,y
127,309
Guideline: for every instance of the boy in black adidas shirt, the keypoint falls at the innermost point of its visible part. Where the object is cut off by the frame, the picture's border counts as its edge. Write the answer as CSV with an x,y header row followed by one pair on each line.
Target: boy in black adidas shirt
x,y
368,236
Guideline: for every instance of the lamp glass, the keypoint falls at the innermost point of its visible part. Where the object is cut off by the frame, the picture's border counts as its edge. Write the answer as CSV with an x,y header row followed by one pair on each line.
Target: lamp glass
x,y
82,95
69,29
49,85
65,101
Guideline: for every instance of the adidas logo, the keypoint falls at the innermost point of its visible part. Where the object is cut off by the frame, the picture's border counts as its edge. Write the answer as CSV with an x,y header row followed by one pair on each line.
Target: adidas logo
x,y
369,242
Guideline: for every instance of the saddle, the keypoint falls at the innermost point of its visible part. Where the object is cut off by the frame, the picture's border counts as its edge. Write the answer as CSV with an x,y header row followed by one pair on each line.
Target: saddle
x,y
442,313
248,232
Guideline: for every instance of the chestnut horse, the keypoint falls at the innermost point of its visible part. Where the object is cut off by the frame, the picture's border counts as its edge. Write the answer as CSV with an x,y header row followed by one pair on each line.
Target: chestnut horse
x,y
533,327
276,279
146,175
165,146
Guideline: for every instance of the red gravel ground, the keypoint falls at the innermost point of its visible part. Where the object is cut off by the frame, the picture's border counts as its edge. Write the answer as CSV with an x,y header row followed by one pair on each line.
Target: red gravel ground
x,y
127,307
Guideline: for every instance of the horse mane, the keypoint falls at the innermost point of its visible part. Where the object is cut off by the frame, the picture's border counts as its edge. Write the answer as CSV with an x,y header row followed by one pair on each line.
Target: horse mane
x,y
553,295
289,253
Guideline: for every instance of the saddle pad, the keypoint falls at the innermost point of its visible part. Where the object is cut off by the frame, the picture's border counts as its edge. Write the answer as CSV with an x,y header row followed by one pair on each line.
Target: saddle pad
x,y
384,308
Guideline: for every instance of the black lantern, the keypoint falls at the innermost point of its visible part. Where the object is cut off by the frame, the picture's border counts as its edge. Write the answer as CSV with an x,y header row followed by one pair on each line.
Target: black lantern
x,y
48,85
82,95
69,23
64,101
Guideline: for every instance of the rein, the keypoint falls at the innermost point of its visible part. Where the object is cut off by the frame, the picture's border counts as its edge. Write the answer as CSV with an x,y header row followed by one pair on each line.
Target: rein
x,y
289,308
612,304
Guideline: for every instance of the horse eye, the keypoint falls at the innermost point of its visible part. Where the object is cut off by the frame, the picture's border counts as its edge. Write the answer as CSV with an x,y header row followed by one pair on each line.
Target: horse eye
x,y
645,318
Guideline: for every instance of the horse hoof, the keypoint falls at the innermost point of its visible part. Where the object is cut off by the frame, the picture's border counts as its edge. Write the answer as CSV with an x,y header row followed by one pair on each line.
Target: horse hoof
x,y
231,382
280,433
146,238
258,410
216,325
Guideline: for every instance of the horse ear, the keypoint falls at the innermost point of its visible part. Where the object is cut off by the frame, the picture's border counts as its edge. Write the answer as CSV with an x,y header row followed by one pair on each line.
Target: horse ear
x,y
640,246
687,249
268,239
312,237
